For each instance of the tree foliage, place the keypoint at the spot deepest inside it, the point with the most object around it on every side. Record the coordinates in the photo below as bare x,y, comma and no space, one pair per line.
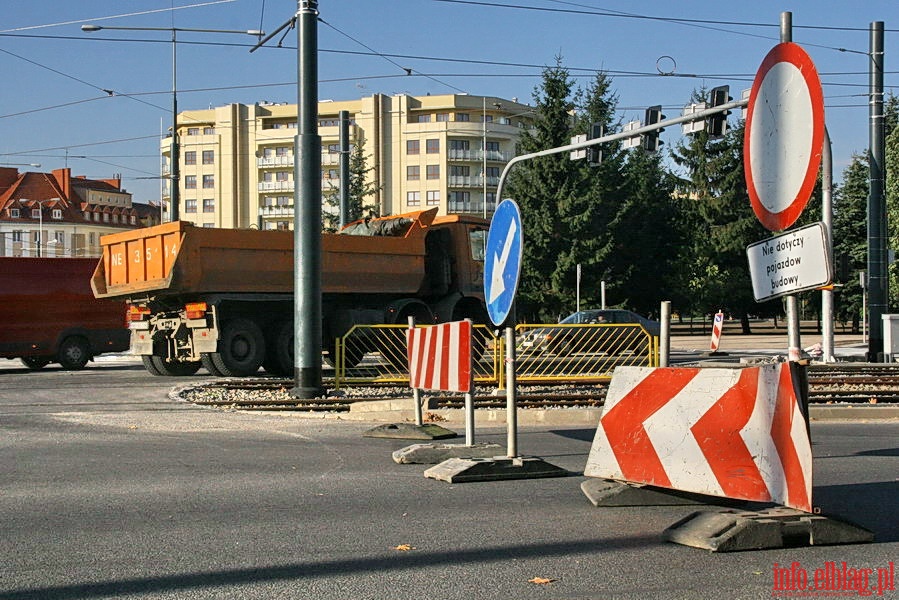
361,195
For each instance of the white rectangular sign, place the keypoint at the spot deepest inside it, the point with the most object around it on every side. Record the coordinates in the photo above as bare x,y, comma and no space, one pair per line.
794,261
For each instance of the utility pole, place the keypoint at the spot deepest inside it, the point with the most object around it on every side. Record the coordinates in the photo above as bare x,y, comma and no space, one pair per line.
307,202
877,217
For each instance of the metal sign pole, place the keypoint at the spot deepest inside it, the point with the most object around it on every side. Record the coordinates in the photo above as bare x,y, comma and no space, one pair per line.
511,407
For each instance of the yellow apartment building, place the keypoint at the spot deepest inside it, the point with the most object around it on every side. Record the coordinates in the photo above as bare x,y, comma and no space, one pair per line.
237,161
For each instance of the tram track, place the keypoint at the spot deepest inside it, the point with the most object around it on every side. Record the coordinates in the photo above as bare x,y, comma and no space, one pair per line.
828,384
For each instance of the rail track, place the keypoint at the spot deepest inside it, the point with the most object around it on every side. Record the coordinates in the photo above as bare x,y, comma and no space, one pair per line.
843,383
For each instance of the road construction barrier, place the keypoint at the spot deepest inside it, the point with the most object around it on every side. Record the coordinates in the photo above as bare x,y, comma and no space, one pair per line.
544,353
440,357
728,432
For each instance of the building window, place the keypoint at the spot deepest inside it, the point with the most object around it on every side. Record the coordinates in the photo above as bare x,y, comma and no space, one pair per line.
17,235
96,217
208,181
35,213
434,198
208,205
209,131
14,213
282,176
190,182
463,117
492,171
133,220
190,206
57,213
442,117
106,217
424,118
413,173
333,148
413,147
433,171
459,145
459,201
492,146
282,151
193,131
190,157
487,118
459,171
115,218
208,157
433,147
413,198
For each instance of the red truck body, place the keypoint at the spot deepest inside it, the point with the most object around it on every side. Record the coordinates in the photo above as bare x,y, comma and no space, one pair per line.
48,313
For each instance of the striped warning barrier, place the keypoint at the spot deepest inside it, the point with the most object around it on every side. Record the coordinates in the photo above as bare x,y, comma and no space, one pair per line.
735,433
717,326
440,357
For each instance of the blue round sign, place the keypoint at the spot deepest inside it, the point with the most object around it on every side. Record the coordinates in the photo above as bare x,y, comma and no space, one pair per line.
502,261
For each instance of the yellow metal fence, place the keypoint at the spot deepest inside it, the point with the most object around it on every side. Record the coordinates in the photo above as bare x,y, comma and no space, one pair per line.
544,353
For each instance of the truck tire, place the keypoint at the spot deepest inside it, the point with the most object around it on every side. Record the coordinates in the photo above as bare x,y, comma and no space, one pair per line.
241,349
150,365
35,363
206,361
174,369
74,352
279,350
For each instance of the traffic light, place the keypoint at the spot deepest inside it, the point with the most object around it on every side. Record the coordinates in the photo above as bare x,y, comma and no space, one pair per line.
651,141
594,153
718,122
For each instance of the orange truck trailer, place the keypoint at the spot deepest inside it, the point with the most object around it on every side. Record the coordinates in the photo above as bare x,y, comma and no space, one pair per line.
223,298
49,314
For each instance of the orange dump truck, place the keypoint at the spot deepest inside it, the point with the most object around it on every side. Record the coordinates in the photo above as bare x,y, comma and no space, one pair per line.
48,313
223,298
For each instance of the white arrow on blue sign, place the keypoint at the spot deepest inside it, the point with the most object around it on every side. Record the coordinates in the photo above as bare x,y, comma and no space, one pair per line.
502,261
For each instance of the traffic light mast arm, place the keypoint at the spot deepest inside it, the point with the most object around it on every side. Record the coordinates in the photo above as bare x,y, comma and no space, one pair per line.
697,116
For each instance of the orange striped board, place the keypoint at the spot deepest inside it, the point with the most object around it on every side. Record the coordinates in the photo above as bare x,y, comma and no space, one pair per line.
735,433
440,357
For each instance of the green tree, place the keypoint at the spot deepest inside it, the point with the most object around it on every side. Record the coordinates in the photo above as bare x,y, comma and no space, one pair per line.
850,238
724,223
543,188
362,190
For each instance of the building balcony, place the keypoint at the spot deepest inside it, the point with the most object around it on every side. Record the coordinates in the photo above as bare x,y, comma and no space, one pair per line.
275,186
470,181
274,161
477,155
276,211
470,208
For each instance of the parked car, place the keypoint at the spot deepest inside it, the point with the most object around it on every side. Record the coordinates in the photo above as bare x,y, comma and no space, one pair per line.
624,332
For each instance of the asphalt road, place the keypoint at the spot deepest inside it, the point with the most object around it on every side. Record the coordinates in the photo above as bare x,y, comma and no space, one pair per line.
108,489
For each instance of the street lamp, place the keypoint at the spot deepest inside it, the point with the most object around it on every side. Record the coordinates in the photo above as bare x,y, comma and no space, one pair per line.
176,171
35,165
40,222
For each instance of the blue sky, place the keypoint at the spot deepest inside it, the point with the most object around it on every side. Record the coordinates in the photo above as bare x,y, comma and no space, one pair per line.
55,111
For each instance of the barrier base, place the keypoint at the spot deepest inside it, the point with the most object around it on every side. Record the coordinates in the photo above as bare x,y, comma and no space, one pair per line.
732,531
432,454
410,431
607,492
461,470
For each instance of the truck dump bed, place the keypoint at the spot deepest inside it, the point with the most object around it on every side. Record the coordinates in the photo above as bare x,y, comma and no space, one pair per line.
386,254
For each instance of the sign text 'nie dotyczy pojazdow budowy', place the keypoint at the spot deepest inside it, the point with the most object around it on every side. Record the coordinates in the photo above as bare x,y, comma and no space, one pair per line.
791,262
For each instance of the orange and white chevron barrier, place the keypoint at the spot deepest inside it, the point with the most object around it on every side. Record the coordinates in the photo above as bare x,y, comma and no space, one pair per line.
440,357
717,327
734,433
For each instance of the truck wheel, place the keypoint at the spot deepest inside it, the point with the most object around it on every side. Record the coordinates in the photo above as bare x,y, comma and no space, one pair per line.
35,363
74,352
206,361
279,350
352,356
241,349
150,365
174,369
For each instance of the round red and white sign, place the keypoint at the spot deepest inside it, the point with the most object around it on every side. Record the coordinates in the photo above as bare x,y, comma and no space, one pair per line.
784,136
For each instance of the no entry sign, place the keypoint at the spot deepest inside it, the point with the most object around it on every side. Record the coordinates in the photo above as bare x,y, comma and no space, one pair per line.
784,136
